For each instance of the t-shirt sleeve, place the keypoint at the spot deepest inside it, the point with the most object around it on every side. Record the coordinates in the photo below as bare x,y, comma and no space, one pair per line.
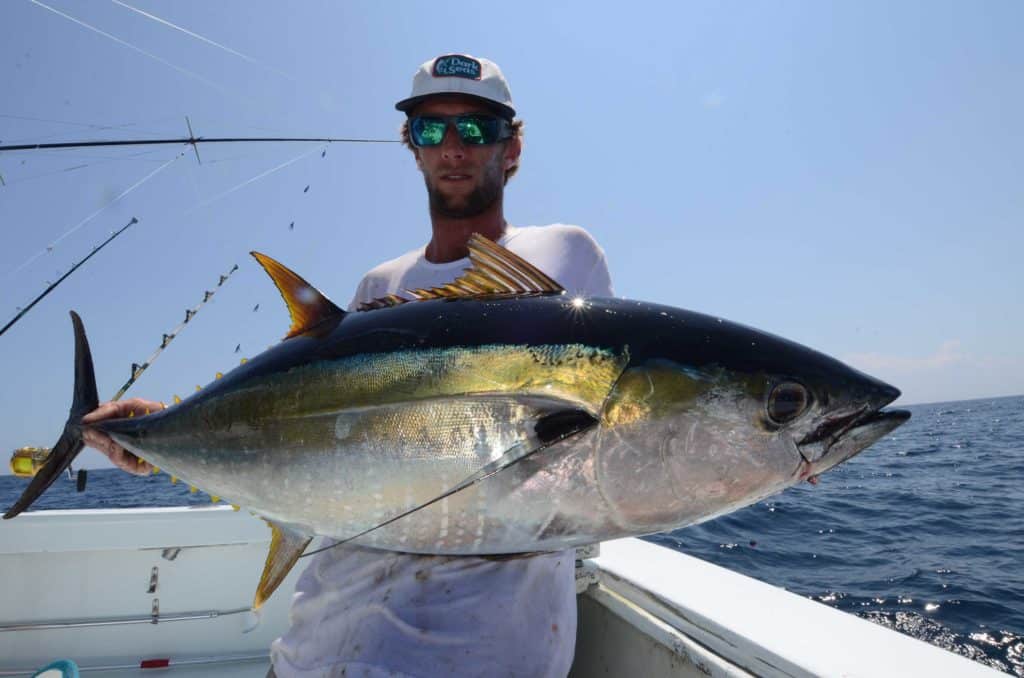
599,281
595,280
364,293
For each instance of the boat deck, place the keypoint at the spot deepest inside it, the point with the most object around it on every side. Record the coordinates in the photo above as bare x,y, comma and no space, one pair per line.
114,590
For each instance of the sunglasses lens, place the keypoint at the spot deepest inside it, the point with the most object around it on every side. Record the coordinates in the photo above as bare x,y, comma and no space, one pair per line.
476,130
427,131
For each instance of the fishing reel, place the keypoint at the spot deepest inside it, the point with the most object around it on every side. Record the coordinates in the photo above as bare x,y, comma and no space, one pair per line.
27,461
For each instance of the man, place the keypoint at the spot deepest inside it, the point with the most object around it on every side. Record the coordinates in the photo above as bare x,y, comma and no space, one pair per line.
359,611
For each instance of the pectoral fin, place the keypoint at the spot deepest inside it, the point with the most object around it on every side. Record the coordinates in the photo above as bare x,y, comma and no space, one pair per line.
286,545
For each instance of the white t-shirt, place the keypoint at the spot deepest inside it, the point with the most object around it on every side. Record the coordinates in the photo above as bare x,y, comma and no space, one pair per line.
364,612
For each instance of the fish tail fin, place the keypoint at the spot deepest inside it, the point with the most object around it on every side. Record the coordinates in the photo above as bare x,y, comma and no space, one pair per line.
85,400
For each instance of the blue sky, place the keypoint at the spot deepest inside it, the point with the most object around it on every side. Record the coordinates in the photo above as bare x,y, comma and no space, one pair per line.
845,175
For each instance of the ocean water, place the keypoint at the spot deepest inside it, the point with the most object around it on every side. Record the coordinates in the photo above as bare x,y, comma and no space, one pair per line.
922,533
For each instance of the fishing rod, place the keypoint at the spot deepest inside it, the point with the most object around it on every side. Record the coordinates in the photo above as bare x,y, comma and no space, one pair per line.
25,462
61,279
190,313
193,141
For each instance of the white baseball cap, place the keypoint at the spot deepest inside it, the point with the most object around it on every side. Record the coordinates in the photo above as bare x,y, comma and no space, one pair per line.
460,74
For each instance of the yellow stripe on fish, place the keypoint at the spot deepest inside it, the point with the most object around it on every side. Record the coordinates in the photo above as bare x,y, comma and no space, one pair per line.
578,374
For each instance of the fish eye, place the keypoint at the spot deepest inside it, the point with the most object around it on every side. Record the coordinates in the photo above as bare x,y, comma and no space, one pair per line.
787,401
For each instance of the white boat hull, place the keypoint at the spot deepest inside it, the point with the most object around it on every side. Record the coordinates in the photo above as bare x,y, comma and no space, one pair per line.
79,585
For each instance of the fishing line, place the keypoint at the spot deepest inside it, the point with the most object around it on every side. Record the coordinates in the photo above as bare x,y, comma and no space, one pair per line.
228,159
60,122
218,45
84,124
234,123
488,470
33,177
98,160
88,156
96,213
138,369
204,39
46,174
249,181
53,285
129,45
121,127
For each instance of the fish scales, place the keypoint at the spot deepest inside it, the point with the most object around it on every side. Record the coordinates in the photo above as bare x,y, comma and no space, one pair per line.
404,420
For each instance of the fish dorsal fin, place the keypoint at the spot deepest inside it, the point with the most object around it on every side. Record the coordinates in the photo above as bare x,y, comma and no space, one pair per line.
495,271
307,306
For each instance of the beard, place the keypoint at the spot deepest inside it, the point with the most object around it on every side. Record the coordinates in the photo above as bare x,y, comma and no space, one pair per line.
479,200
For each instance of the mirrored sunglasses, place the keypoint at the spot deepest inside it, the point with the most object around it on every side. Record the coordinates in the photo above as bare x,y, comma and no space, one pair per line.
474,130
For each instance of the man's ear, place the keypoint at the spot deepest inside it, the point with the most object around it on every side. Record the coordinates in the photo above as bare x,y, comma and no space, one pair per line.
512,150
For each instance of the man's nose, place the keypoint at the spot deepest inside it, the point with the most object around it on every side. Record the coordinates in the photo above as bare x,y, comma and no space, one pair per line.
452,147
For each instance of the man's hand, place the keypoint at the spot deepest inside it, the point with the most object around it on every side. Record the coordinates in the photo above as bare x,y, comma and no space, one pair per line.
121,458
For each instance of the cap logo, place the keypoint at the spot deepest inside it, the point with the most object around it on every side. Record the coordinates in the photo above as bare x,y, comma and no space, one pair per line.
457,66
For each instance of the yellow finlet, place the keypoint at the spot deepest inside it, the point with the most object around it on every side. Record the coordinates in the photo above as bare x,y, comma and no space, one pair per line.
174,480
131,414
307,306
214,499
219,375
147,412
193,489
198,388
243,361
156,470
177,399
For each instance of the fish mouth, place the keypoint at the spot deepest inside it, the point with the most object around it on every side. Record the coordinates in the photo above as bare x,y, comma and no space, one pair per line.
829,431
839,438
856,422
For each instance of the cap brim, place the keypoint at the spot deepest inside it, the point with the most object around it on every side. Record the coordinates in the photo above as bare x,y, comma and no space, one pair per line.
405,105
